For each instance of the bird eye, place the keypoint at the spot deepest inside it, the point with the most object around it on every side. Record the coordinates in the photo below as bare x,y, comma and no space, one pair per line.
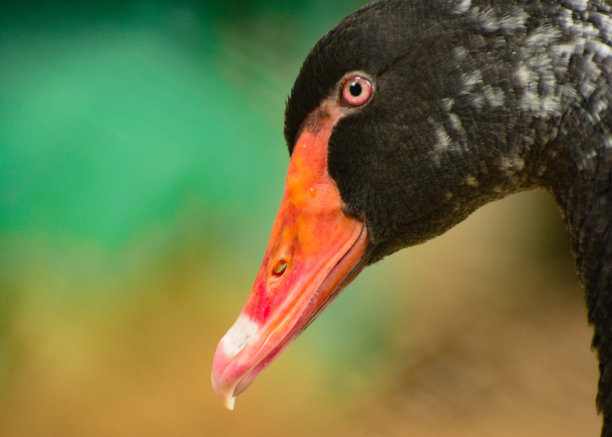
356,90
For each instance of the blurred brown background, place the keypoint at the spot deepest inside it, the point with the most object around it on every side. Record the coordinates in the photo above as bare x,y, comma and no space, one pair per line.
141,165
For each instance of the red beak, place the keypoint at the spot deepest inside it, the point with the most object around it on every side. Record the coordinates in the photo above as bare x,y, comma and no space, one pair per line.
315,250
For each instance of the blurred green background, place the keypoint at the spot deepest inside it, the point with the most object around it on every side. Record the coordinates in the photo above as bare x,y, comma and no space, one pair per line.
141,165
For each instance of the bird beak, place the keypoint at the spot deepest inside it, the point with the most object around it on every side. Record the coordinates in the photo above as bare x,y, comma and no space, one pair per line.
314,251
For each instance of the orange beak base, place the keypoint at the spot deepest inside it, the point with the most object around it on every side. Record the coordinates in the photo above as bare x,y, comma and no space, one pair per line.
314,251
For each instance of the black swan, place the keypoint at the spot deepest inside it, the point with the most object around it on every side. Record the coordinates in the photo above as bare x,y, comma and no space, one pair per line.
408,116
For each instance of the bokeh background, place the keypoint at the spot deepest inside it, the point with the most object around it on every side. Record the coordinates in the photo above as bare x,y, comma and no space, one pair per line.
141,165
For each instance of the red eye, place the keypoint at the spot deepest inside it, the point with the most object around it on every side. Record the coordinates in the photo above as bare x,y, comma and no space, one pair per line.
356,90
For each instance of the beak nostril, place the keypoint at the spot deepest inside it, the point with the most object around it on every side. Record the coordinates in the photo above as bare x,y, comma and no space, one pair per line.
279,268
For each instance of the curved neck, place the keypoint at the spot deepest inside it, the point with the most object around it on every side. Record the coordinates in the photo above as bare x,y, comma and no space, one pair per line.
581,184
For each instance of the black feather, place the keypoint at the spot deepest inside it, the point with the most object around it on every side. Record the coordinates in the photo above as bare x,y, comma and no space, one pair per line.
475,100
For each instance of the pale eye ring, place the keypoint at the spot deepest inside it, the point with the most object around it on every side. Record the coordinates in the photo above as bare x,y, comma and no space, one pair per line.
356,90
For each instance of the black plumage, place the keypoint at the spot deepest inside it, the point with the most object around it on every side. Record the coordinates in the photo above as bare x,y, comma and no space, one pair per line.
475,100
